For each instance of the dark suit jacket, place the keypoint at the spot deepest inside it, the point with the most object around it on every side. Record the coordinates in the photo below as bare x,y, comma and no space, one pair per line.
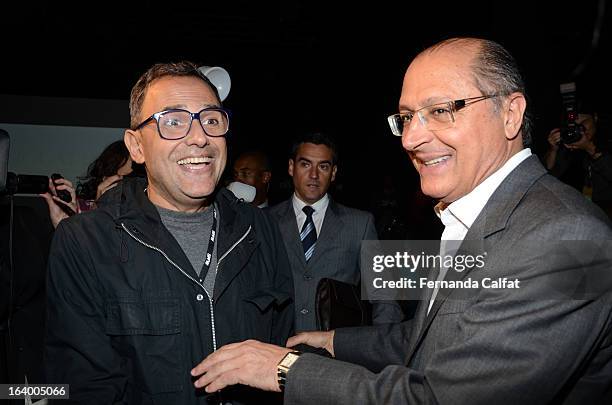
336,255
492,348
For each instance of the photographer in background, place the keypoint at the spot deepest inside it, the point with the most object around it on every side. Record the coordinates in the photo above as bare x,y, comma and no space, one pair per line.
585,164
102,174
59,209
105,172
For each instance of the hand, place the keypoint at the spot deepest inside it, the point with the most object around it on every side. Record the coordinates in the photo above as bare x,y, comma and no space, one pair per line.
324,340
250,363
56,212
583,143
106,184
554,139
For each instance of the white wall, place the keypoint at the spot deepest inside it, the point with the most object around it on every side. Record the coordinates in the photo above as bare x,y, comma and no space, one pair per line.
47,149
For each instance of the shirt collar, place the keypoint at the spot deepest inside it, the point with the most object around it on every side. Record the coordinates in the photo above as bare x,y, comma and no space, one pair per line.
466,209
318,206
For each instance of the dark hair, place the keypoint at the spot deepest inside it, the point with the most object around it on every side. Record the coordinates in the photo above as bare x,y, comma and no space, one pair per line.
318,138
587,106
495,72
259,156
107,164
183,68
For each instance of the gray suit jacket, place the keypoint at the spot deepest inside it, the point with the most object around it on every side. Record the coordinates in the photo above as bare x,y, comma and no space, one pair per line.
336,256
491,349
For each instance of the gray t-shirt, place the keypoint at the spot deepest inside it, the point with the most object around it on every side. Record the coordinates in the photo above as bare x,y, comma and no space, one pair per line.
192,232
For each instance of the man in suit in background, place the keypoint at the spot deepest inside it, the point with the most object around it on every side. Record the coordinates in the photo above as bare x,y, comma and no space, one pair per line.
323,238
463,125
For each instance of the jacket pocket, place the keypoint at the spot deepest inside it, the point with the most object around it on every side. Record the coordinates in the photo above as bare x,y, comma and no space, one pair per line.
259,312
264,299
146,331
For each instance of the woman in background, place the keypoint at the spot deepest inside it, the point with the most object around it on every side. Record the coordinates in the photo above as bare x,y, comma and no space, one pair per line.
102,174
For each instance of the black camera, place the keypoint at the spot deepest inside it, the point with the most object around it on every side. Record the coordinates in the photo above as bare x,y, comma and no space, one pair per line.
571,131
11,183
33,184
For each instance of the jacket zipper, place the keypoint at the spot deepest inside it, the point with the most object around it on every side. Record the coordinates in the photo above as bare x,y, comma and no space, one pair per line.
212,317
210,300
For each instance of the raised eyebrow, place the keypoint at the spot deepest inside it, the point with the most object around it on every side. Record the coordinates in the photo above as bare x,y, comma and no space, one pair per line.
175,107
405,109
435,100
184,107
429,101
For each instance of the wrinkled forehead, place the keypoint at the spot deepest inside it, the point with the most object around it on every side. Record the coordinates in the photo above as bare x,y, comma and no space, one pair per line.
437,76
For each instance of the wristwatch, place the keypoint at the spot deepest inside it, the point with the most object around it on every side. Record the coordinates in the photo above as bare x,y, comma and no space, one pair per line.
283,367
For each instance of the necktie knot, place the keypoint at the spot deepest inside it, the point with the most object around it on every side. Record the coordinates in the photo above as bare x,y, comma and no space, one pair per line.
308,210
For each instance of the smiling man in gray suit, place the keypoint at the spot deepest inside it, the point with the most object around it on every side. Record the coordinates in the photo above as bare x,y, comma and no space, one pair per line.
463,125
330,246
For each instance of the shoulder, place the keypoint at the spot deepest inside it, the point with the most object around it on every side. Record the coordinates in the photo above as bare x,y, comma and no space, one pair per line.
552,206
244,212
83,232
95,218
354,213
280,209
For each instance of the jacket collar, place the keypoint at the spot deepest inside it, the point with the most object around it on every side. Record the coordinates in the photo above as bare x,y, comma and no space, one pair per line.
129,205
496,213
289,229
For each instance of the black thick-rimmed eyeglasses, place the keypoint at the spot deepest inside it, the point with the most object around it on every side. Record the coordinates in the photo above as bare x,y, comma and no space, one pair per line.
176,123
434,117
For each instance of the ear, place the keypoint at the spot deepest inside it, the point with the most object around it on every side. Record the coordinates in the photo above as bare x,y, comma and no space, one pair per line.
267,176
133,141
334,170
513,117
290,167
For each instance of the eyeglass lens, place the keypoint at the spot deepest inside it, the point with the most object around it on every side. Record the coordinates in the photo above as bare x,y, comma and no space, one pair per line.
176,124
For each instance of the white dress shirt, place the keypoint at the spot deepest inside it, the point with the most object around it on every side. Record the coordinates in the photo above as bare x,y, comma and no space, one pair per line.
459,216
318,216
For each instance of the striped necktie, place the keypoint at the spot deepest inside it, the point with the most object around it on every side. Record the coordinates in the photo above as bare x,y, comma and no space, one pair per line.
308,236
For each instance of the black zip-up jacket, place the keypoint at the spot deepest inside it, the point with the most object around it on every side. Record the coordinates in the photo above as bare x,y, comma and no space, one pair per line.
127,318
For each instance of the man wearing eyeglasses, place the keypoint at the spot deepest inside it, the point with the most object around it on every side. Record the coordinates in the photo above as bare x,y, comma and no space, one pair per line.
462,122
170,268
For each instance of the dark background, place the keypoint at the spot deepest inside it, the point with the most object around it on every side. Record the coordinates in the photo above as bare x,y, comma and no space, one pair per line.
298,64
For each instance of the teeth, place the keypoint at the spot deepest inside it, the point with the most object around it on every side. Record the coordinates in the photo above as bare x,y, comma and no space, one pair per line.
194,160
435,161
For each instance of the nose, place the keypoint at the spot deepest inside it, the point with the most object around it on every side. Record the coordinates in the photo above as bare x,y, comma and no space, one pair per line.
313,173
196,135
415,135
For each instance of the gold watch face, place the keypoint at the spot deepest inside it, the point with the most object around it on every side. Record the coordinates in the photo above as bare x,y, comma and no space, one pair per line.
288,360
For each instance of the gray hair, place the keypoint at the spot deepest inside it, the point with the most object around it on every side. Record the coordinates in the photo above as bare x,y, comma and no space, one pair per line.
495,72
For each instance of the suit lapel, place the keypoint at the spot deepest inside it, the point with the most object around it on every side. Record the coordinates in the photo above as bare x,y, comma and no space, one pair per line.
421,312
289,229
492,219
332,224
